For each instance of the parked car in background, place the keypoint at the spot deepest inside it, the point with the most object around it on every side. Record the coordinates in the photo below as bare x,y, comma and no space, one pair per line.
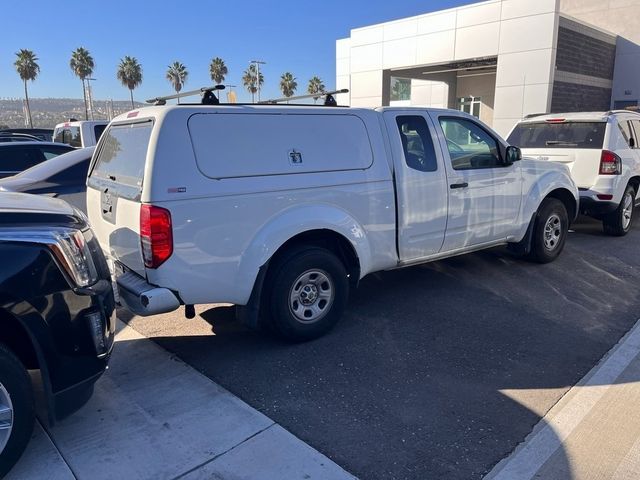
79,134
56,314
16,157
44,134
64,177
602,151
18,137
281,209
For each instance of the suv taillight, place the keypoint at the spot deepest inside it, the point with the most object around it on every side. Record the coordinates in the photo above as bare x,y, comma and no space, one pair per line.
610,163
156,236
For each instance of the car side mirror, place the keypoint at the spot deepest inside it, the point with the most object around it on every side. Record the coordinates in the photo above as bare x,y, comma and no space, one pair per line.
513,154
632,143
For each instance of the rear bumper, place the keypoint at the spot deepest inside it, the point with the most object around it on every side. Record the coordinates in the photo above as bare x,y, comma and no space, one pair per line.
591,205
145,299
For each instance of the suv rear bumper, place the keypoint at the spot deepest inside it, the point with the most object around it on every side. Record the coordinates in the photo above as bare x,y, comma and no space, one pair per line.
145,299
591,206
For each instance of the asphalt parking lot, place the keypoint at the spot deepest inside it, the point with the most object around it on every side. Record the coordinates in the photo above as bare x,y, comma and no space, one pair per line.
436,371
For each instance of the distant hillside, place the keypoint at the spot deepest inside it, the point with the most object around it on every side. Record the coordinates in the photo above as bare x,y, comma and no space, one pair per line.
47,112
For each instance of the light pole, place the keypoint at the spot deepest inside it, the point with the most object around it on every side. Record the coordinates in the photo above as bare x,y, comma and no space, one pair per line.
89,95
257,63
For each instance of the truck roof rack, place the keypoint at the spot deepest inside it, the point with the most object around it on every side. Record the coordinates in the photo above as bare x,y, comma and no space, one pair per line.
208,97
329,99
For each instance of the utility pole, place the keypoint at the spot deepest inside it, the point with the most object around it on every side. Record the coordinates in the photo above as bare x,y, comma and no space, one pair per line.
257,63
90,96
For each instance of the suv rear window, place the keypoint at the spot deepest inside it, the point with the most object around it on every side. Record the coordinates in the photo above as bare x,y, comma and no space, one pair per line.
123,153
558,135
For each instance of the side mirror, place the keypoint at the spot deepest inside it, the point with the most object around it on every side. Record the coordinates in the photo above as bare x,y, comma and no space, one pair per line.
513,154
632,143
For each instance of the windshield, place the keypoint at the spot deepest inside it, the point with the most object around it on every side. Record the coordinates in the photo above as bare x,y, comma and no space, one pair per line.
46,169
123,153
558,135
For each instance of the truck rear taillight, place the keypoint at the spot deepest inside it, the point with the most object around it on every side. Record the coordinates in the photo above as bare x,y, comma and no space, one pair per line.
156,236
610,163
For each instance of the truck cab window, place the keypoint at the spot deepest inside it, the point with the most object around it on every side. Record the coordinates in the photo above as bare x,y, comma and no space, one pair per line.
417,144
470,146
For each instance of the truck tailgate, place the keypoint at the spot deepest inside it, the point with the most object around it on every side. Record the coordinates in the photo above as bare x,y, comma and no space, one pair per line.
583,163
114,188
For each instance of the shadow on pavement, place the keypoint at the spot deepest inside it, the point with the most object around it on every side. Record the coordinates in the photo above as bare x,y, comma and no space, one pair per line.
411,383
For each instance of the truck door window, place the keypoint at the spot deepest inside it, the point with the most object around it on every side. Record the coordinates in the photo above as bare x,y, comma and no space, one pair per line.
417,144
470,146
97,131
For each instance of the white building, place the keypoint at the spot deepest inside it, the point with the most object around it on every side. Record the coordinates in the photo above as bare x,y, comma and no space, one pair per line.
499,59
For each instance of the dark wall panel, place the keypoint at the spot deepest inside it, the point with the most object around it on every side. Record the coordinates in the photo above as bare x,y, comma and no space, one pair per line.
580,53
571,97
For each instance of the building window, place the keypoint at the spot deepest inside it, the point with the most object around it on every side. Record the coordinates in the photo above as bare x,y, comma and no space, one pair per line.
400,89
470,105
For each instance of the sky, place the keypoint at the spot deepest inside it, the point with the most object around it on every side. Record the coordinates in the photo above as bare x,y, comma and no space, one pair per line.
288,35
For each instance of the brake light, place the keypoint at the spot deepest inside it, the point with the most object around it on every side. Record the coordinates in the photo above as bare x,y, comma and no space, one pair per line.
610,163
156,236
556,120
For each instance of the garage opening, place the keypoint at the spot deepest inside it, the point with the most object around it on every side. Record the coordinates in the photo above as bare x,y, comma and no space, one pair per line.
462,85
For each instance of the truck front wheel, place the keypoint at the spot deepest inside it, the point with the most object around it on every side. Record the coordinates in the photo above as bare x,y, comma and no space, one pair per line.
550,231
17,412
309,291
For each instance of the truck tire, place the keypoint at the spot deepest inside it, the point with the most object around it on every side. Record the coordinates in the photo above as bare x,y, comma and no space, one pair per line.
550,231
309,289
17,411
618,222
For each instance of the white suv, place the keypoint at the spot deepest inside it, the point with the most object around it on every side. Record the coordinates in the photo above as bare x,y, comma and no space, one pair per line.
601,151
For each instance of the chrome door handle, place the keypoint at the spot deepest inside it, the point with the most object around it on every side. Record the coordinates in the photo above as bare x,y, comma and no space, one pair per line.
459,185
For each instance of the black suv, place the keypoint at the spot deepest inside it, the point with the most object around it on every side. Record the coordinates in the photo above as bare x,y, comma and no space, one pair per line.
56,314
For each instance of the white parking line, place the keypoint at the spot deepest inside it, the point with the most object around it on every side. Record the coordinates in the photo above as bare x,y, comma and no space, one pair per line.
550,433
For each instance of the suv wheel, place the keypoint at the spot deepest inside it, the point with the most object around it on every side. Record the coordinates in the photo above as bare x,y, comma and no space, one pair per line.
550,231
309,291
618,223
17,412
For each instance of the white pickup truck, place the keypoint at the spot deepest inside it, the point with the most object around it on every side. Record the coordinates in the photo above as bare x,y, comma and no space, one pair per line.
79,134
281,209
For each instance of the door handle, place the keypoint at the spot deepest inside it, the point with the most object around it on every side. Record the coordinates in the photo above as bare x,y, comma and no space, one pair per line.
459,185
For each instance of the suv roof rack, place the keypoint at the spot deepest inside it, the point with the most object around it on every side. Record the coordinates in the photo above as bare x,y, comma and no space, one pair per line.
632,109
329,99
208,97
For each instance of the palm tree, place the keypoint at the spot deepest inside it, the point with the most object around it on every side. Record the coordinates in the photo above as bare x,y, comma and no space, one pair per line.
288,84
130,74
177,75
218,70
250,81
27,67
82,65
315,86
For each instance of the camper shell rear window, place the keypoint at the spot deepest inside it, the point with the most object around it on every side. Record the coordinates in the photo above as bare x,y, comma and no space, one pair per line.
123,153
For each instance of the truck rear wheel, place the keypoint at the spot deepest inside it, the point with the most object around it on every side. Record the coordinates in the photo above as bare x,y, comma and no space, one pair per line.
309,292
550,231
618,222
17,413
